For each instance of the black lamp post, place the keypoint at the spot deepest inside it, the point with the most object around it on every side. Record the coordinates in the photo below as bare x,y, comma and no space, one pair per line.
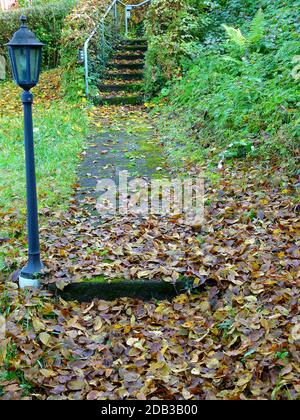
25,53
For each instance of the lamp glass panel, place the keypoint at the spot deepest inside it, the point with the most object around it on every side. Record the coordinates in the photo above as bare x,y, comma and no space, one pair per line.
21,63
34,64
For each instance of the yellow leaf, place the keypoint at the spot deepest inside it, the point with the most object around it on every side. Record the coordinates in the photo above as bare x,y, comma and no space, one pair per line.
143,273
212,363
45,338
244,379
38,325
47,373
264,323
76,385
181,299
98,324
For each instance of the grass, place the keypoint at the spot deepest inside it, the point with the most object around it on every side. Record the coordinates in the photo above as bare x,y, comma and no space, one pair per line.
9,371
58,139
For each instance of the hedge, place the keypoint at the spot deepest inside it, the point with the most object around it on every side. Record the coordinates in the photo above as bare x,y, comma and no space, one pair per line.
46,21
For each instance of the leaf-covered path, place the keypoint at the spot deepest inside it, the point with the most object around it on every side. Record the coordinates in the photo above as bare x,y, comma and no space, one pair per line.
126,142
237,339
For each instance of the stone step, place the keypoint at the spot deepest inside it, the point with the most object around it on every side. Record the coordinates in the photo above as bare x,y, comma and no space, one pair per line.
127,87
134,41
124,66
137,47
125,76
119,100
129,66
129,57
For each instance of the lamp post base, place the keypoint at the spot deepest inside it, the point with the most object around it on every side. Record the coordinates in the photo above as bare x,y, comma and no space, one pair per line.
26,282
30,275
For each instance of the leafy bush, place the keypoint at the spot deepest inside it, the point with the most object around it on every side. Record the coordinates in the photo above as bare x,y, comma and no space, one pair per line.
242,92
46,21
78,25
174,29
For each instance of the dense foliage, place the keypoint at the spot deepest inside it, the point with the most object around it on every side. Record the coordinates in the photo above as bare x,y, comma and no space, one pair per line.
45,20
233,87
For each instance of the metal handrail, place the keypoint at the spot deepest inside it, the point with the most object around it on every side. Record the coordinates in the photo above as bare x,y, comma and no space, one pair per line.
101,26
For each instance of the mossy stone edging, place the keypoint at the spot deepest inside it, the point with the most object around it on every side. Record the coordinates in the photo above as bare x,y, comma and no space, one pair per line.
86,291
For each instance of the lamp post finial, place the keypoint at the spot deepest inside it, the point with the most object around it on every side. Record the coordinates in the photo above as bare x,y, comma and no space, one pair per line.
23,20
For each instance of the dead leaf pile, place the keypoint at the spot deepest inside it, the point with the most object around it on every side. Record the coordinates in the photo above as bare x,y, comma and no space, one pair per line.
241,344
48,90
239,339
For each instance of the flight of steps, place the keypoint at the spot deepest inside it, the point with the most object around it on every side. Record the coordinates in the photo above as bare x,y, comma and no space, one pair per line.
122,83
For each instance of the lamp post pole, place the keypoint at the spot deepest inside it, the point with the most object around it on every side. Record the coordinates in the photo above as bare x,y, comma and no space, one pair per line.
34,265
25,52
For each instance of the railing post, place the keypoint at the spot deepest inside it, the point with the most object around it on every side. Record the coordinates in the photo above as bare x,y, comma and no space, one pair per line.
116,11
103,38
116,19
126,21
86,68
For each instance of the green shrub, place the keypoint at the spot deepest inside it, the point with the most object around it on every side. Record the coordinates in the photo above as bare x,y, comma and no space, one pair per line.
46,21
